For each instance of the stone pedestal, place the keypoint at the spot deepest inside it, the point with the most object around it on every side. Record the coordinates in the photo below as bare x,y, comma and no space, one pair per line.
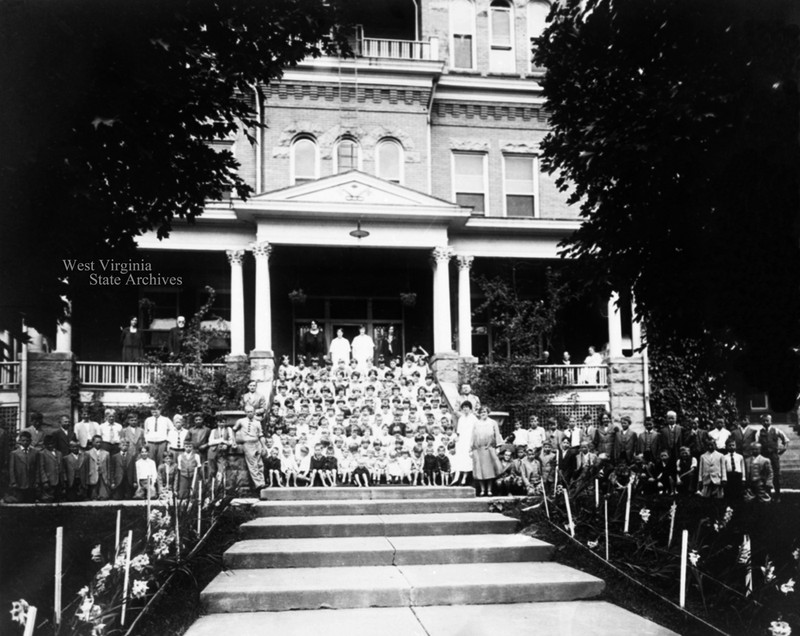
626,390
262,370
446,367
50,378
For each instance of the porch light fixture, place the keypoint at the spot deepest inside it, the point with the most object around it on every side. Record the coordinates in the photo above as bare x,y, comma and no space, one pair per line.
359,233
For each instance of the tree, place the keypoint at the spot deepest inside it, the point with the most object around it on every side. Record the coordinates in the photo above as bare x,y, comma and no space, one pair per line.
674,124
108,109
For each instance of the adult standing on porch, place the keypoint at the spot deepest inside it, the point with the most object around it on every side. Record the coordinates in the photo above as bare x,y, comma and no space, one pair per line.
389,346
485,462
339,349
175,338
132,344
312,344
363,349
461,463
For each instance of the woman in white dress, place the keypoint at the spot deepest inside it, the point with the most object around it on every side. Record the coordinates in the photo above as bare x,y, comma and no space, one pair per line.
339,349
363,349
594,359
461,465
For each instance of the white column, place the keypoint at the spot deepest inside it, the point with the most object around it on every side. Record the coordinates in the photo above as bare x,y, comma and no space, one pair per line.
263,297
464,307
636,329
442,329
614,327
237,302
64,328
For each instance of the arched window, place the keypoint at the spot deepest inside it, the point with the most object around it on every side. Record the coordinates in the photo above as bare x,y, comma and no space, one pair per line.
462,32
537,20
501,37
389,160
348,155
304,160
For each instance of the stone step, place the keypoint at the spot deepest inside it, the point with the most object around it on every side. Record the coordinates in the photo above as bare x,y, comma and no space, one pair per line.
368,507
369,551
375,492
571,617
378,525
401,586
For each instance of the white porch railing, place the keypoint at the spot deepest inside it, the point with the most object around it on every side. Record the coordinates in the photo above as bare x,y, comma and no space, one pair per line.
122,374
9,374
572,375
399,49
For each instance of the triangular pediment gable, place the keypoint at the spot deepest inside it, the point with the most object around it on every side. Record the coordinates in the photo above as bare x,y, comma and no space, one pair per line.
355,187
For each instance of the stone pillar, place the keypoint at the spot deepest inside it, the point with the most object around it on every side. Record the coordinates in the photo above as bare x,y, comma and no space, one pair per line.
614,328
64,336
442,328
50,377
626,389
237,302
263,318
464,307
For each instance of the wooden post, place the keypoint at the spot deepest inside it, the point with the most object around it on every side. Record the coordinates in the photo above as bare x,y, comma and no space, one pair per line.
605,506
596,493
555,479
544,498
569,514
149,489
194,481
177,532
673,509
213,488
628,509
127,577
116,536
199,507
684,558
59,559
30,623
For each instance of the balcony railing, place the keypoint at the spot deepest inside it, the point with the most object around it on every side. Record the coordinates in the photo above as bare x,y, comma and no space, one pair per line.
399,49
126,374
572,375
9,374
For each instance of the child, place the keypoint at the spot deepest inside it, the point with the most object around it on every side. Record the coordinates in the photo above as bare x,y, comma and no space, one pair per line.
52,471
146,476
734,471
548,463
348,464
443,462
686,471
429,465
167,476
75,473
664,474
507,480
379,464
188,463
303,464
759,474
272,468
317,467
415,469
712,475
520,435
331,467
404,460
531,472
289,466
394,471
361,472
99,468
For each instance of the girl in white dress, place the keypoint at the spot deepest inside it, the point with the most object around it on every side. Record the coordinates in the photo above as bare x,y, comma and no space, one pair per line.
461,464
363,349
339,349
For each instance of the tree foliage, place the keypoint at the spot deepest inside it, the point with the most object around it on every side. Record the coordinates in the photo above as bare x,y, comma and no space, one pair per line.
675,127
107,111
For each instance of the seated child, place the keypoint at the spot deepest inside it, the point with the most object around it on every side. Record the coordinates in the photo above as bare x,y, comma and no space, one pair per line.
303,464
507,480
686,472
429,465
317,468
531,472
415,472
443,464
361,471
331,466
394,471
404,460
289,466
272,467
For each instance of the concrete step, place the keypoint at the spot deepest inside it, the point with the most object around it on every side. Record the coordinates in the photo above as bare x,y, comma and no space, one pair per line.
572,617
378,525
384,586
376,492
368,551
368,506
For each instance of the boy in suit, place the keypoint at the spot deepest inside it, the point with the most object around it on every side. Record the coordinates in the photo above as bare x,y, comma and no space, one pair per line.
25,471
99,467
167,475
76,475
52,471
147,476
123,472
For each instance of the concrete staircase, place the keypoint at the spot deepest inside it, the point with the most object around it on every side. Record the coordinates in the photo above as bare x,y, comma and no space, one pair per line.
397,561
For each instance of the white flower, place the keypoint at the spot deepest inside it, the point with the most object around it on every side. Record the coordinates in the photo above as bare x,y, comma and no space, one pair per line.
119,563
779,628
768,570
83,592
102,575
788,587
99,629
139,589
694,558
592,544
85,611
140,562
644,513
96,554
727,516
19,611
796,554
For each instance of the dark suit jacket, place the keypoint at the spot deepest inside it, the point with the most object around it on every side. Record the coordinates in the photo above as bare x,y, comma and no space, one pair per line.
123,473
670,440
76,470
52,467
175,341
25,469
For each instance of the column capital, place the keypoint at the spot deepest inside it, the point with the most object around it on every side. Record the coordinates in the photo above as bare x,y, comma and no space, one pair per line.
464,261
261,249
235,256
442,254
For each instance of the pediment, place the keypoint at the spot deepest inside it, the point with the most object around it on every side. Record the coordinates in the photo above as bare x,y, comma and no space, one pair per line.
353,188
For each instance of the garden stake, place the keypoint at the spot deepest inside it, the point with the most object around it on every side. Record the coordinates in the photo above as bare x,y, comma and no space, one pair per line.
569,514
119,523
177,533
149,488
596,493
199,506
544,497
672,510
748,577
194,480
628,509
31,622
213,488
57,592
127,577
605,506
684,557
555,480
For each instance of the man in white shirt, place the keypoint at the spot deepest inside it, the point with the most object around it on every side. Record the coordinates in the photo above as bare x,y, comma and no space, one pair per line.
719,434
146,476
85,430
176,438
536,434
156,430
109,431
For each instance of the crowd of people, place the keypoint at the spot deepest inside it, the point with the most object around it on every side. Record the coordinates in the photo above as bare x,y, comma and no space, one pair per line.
343,420
719,460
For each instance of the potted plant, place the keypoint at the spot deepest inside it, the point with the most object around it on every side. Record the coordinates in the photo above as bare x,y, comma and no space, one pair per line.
297,297
409,299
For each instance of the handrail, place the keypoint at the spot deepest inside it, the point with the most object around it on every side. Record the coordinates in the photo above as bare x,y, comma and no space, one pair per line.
396,49
570,375
121,374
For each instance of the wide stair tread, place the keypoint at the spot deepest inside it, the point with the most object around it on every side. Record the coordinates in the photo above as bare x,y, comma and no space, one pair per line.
326,507
375,492
370,551
396,586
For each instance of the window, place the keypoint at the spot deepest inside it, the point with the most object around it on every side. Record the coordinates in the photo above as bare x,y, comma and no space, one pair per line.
501,37
462,28
759,402
469,180
304,164
389,160
537,20
521,181
347,155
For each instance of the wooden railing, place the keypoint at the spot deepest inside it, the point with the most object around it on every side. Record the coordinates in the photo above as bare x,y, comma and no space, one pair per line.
572,375
399,49
9,374
124,374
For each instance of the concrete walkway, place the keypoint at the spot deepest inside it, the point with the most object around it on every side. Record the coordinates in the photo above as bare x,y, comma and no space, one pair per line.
404,561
